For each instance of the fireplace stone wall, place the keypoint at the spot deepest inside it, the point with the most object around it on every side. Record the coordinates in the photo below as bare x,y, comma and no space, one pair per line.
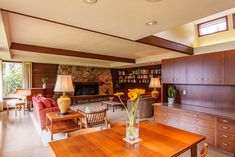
89,74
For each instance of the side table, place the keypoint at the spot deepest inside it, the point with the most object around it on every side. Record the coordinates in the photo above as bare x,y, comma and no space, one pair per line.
63,123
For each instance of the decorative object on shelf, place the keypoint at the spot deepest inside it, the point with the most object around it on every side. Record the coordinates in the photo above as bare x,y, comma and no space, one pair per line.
64,84
132,125
155,83
44,82
171,94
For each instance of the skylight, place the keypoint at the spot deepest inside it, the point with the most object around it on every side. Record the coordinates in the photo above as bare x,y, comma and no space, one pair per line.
213,26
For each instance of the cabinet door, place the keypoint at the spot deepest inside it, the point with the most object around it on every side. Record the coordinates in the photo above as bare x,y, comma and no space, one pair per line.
229,65
195,69
179,71
212,72
167,71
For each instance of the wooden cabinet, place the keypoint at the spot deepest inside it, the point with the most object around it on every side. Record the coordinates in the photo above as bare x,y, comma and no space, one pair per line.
167,71
212,69
199,69
219,131
166,116
226,134
195,69
174,71
179,71
229,65
200,123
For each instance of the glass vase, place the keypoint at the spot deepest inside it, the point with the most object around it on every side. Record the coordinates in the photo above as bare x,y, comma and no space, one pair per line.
132,127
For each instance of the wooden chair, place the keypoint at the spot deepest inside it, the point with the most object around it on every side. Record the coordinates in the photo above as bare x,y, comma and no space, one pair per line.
94,118
204,150
83,131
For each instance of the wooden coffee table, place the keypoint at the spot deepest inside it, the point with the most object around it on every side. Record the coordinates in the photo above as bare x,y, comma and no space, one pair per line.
112,104
63,123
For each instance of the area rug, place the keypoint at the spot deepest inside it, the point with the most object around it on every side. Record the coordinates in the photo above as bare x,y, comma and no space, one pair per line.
116,116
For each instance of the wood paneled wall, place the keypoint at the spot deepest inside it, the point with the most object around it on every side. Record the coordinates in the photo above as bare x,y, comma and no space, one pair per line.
40,70
211,96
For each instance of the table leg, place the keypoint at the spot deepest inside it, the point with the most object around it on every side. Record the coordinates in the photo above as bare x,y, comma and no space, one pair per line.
15,109
7,109
46,124
24,109
113,108
80,123
51,130
194,151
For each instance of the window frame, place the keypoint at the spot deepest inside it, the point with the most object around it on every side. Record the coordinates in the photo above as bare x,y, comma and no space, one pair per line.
233,15
198,26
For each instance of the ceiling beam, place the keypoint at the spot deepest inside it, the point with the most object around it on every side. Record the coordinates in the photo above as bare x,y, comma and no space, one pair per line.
5,40
159,42
167,44
63,52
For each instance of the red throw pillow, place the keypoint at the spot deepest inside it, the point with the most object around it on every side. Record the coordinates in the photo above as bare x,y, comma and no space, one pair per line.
46,102
53,102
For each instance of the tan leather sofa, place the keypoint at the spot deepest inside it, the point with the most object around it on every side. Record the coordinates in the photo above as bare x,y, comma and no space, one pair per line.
145,107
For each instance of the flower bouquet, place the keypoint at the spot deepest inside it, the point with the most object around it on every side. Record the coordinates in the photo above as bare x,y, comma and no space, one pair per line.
132,127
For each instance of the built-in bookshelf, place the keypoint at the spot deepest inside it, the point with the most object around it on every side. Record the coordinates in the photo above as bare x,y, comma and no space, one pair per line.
138,77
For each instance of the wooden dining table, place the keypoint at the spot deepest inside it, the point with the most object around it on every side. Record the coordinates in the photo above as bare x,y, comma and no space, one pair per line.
157,140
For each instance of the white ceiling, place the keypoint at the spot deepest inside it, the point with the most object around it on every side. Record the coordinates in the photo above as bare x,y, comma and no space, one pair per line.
120,18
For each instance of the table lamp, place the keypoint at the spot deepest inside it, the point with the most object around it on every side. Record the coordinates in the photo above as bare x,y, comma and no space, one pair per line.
155,83
64,84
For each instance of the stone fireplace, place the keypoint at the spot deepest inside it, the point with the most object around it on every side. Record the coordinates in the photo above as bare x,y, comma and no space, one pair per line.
88,88
88,80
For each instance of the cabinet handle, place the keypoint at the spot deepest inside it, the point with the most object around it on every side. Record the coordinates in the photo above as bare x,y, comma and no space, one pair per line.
225,127
225,144
206,79
195,115
225,121
225,136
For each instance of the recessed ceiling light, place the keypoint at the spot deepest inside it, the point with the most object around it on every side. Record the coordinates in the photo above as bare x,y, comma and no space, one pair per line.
150,23
154,0
90,1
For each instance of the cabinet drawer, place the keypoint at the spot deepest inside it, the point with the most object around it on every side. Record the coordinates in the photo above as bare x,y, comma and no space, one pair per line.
197,128
197,115
171,122
225,121
226,128
226,145
226,136
199,122
210,140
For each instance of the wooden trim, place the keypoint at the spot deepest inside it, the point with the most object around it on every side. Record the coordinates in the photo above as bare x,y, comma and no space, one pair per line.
55,51
68,25
226,17
233,20
163,43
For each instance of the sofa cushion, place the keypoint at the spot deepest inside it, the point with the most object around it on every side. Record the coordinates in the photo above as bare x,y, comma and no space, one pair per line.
53,102
95,109
46,102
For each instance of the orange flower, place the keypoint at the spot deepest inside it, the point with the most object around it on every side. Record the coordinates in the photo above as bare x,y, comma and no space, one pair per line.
132,96
119,94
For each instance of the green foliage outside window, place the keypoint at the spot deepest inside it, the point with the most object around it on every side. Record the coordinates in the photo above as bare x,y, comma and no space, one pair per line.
12,77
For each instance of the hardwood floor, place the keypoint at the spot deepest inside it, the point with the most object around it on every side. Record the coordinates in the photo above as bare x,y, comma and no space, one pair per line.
18,137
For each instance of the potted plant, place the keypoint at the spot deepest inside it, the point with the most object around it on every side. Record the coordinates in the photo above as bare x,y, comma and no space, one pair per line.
44,82
171,94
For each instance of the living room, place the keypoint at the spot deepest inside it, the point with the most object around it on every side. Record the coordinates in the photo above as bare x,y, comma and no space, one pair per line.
109,78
